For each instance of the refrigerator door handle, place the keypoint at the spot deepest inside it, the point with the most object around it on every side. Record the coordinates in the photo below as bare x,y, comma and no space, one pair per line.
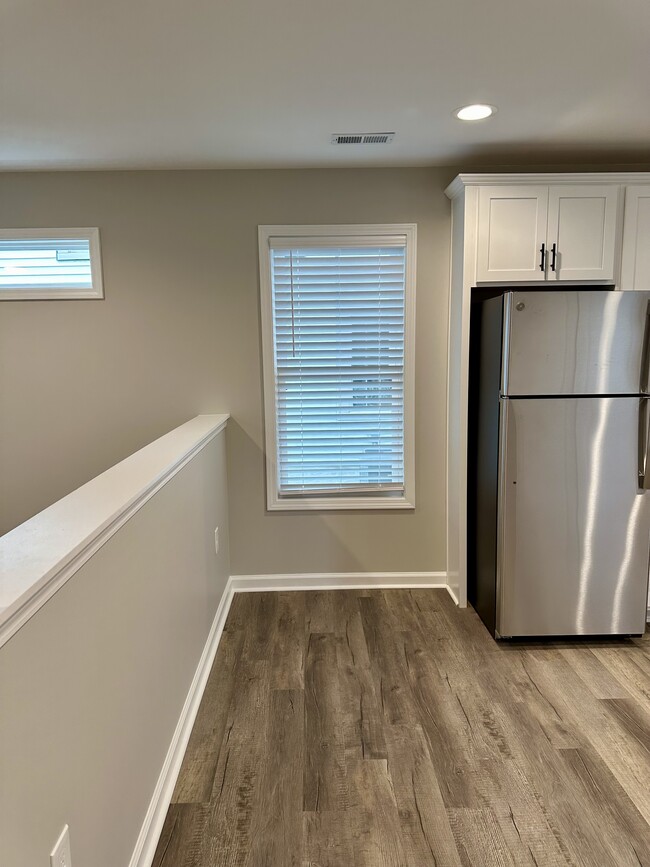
644,442
645,354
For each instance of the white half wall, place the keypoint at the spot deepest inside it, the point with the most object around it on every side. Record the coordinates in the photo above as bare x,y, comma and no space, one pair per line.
92,686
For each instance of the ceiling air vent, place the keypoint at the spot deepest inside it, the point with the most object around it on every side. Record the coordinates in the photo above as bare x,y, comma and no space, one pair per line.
358,138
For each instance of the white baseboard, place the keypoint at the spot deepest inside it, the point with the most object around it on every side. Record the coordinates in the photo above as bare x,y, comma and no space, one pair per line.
338,581
145,848
453,595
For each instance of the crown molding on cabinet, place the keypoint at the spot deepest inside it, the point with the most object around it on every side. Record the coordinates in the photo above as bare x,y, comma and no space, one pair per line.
464,179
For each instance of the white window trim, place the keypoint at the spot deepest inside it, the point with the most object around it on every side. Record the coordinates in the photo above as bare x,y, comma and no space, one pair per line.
300,233
60,293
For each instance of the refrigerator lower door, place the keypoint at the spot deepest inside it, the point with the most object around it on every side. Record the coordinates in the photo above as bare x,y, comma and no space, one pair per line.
573,524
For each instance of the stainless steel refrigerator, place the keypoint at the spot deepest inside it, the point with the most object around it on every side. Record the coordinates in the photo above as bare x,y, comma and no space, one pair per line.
562,509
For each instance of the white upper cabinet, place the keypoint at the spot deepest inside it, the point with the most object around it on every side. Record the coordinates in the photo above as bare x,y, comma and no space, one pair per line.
543,233
582,227
635,265
512,233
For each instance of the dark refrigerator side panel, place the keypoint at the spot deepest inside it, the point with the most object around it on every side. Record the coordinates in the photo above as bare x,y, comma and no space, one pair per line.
472,427
485,442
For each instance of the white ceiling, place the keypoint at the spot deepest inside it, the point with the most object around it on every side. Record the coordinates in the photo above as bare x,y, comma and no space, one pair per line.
232,83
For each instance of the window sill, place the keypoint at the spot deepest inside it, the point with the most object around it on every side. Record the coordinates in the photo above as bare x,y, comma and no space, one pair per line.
51,294
338,504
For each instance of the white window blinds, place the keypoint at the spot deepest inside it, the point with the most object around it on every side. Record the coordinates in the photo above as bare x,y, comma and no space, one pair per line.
41,264
338,338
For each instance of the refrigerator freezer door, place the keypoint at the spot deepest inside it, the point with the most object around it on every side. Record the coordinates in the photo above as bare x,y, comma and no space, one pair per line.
581,342
573,524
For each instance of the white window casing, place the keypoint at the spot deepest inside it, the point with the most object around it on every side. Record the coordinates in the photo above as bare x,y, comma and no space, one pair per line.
50,264
338,334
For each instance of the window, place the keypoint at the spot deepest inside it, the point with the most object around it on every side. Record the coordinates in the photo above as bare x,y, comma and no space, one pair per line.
338,307
50,263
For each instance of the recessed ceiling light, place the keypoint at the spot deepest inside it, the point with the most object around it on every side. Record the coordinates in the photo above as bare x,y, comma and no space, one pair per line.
474,112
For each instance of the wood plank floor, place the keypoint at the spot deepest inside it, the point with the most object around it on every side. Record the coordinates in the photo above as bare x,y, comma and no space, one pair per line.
388,729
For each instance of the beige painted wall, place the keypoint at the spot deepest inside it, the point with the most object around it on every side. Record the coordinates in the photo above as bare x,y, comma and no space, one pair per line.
85,383
92,687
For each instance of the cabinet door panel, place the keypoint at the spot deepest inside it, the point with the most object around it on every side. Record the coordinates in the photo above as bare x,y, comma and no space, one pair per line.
511,231
635,269
582,222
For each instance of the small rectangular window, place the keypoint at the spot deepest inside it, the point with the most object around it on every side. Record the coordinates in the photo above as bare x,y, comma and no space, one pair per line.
50,264
338,317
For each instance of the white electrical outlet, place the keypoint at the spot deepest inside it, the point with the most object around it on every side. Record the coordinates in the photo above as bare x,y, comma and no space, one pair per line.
60,855
216,540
